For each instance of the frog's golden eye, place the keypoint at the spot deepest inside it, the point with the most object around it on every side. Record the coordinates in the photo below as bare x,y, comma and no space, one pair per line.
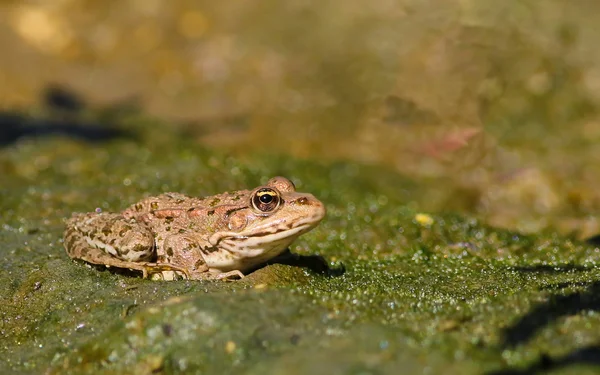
266,200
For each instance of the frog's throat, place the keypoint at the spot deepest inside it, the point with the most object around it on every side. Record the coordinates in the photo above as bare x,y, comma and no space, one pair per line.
233,241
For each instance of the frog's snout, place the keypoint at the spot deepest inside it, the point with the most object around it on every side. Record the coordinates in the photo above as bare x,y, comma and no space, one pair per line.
312,207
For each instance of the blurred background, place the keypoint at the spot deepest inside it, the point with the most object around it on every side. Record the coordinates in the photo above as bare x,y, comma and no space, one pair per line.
491,107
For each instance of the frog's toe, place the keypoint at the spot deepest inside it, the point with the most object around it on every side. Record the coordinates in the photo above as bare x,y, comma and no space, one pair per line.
230,276
168,276
162,271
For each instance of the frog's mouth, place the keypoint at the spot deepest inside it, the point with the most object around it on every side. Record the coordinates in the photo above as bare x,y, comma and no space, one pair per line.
259,239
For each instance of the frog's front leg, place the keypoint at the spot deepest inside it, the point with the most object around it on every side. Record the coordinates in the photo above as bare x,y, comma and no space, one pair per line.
183,251
111,240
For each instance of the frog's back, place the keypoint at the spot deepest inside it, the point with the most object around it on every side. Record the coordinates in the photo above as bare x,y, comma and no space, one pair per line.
180,201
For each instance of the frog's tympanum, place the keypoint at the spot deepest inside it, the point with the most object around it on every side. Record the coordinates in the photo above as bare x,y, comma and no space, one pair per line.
173,236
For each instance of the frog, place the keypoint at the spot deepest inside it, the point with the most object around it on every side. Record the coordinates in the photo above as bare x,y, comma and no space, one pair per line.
174,236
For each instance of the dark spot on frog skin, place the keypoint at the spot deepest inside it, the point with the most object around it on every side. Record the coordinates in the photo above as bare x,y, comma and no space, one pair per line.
154,205
209,249
138,207
170,251
71,242
139,248
229,212
169,219
214,202
211,212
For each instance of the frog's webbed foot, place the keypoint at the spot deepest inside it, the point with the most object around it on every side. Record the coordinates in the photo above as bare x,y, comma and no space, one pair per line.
168,271
149,269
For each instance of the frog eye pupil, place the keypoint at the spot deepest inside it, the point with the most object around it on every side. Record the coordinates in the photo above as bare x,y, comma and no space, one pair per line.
266,200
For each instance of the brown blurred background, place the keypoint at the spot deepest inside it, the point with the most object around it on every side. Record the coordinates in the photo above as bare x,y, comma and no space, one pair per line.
492,106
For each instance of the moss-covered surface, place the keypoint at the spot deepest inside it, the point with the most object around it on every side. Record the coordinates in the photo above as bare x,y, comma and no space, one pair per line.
422,292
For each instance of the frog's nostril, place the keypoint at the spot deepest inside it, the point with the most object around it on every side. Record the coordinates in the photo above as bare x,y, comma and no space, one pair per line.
302,201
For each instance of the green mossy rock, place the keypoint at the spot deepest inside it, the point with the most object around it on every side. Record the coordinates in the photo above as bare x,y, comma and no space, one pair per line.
422,293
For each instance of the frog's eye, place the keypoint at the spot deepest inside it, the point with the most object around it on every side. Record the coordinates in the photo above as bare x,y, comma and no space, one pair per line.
266,200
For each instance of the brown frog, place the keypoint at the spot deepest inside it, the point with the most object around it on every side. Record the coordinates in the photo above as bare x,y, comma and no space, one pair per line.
173,236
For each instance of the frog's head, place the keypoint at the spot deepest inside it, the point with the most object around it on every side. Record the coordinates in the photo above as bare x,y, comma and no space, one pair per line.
271,219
